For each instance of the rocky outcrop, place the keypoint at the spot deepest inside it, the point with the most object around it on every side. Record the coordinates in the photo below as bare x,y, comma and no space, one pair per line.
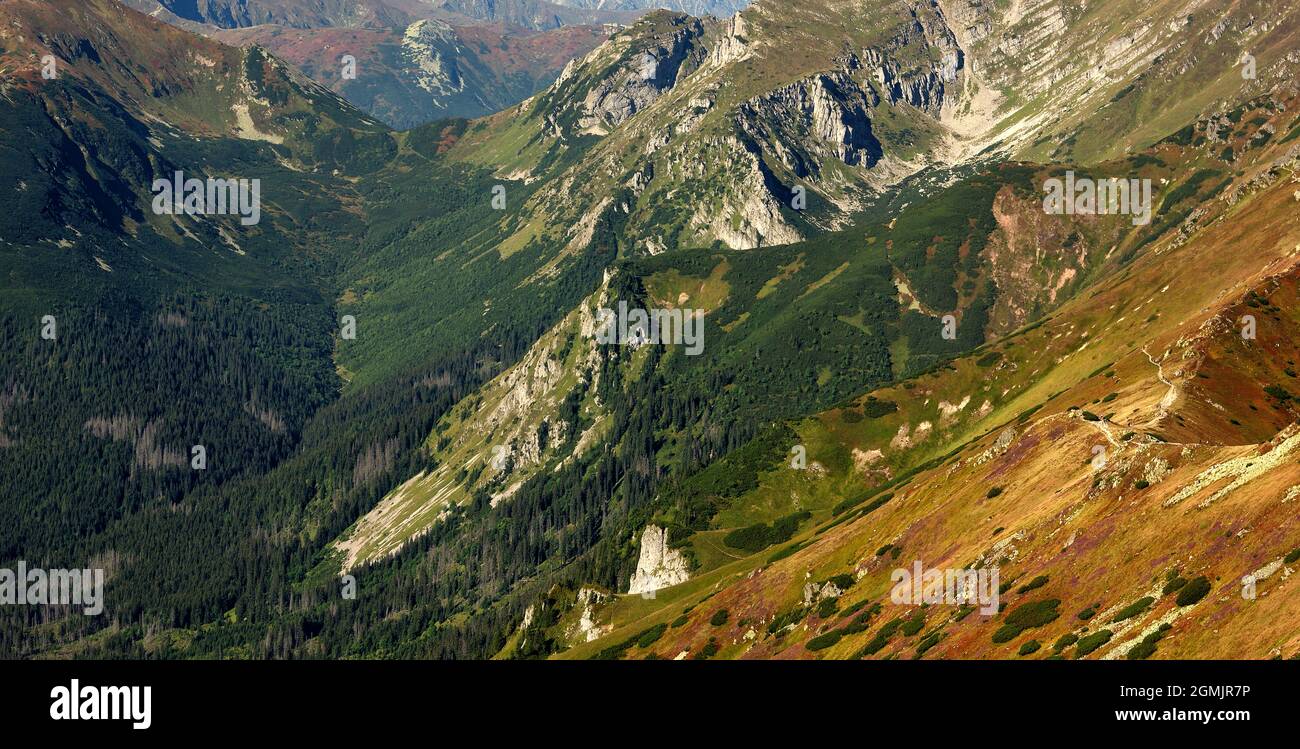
816,592
731,44
807,122
926,88
640,78
587,628
970,20
1234,473
659,565
659,95
429,48
748,214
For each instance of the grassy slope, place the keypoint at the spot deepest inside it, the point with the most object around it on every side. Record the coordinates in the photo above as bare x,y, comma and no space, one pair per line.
1098,537
1157,74
832,295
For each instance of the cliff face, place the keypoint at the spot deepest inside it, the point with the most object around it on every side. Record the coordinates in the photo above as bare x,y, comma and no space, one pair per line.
827,113
640,79
587,628
598,92
659,565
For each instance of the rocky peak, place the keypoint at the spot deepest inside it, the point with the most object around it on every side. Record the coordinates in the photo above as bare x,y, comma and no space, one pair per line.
649,65
430,48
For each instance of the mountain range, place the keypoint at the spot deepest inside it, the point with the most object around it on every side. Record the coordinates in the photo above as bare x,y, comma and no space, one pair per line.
404,63
305,14
415,62
912,357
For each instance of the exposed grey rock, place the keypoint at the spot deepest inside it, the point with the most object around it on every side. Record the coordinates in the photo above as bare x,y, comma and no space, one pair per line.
639,80
430,47
659,565
719,8
819,117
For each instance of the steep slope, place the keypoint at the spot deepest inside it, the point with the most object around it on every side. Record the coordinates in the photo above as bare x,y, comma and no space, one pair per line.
154,354
844,302
657,111
596,149
139,342
1126,465
1094,81
583,154
187,335
86,145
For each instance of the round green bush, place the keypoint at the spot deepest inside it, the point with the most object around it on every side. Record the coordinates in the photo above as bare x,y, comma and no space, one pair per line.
913,625
1193,591
1092,642
1026,616
709,650
821,642
1065,641
1132,610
